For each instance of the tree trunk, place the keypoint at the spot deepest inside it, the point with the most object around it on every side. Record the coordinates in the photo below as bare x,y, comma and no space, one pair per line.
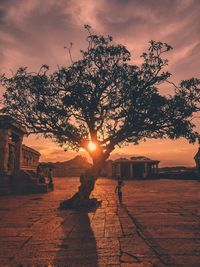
81,199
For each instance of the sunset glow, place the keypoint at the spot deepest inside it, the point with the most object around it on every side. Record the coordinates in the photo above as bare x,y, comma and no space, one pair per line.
91,146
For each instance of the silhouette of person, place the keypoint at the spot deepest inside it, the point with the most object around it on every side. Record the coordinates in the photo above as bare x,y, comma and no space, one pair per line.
118,190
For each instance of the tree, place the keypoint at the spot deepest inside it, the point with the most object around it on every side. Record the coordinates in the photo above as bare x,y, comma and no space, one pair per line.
101,98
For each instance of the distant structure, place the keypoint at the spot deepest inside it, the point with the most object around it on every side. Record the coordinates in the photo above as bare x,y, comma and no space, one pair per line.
133,168
197,160
73,167
18,163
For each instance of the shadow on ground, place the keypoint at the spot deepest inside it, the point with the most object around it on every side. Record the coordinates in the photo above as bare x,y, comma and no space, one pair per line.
78,247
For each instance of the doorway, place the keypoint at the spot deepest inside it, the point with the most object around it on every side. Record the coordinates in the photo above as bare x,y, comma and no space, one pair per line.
138,171
125,170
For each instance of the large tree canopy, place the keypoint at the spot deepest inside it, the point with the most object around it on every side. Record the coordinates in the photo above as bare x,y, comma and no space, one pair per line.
103,98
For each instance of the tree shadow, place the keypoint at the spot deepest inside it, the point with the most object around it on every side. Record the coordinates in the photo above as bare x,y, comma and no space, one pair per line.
78,245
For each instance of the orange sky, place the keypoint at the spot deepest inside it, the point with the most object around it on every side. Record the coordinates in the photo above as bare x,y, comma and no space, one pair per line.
170,153
34,32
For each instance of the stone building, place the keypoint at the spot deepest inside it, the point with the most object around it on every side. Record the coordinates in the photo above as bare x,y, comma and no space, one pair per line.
197,160
133,168
30,158
18,163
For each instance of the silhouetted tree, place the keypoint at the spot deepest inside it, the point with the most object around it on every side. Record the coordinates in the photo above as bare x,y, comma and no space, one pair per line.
101,98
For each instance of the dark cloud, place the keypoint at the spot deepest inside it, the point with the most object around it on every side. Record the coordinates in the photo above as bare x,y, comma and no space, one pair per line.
176,22
34,32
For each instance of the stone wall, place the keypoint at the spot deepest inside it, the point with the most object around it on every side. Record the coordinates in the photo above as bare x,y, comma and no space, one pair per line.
18,163
30,158
14,155
3,151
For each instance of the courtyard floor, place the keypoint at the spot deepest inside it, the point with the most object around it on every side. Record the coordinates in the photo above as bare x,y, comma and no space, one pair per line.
157,225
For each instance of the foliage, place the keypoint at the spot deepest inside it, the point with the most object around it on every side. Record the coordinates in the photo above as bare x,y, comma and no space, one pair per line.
102,97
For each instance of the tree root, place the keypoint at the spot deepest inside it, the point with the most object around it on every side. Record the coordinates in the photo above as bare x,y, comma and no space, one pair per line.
75,202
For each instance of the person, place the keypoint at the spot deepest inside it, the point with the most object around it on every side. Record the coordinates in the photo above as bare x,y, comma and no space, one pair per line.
50,176
118,190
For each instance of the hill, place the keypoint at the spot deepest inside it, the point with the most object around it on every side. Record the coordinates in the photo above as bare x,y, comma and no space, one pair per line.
73,167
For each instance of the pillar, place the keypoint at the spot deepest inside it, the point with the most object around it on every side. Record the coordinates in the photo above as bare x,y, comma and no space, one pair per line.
156,169
131,170
153,165
145,170
20,155
119,169
4,151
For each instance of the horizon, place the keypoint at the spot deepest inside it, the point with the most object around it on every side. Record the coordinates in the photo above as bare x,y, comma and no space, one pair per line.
54,153
34,33
112,159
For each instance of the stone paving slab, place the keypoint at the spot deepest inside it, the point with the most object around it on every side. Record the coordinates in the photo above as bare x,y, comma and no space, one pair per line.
157,225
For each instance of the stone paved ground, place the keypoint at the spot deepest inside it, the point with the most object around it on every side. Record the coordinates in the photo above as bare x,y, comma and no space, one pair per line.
158,225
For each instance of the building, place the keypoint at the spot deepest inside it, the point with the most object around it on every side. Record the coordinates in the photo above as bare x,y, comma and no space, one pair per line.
197,160
133,168
18,163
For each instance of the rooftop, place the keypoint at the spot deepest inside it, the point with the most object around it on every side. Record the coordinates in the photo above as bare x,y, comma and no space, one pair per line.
7,121
137,160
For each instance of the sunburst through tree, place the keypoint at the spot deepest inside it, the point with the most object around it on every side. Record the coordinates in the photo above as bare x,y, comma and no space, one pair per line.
101,101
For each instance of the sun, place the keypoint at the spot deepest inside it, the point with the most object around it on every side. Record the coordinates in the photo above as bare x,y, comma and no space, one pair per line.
91,146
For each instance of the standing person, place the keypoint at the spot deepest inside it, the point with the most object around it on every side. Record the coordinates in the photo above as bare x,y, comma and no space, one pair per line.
50,176
118,190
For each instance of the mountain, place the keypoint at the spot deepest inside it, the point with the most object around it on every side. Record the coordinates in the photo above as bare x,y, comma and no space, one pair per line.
73,167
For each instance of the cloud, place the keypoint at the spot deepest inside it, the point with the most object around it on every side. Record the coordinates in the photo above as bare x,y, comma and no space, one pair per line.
38,30
86,12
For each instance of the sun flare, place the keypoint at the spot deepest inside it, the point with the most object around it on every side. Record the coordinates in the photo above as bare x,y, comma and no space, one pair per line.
91,146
